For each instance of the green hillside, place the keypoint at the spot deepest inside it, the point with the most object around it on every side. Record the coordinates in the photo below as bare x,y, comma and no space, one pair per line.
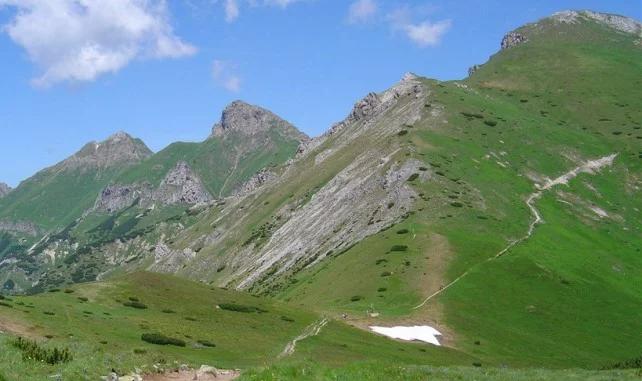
502,209
569,291
102,325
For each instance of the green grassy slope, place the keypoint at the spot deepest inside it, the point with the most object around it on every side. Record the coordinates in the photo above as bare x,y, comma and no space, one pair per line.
102,332
51,199
223,163
569,292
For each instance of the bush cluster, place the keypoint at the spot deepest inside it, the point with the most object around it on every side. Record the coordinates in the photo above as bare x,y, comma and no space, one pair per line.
137,305
34,351
160,339
240,308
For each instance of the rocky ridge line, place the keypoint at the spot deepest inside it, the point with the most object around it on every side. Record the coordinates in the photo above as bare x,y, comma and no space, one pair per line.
4,189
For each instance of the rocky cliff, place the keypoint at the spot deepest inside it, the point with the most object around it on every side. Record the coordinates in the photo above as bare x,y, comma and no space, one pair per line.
251,120
118,149
4,189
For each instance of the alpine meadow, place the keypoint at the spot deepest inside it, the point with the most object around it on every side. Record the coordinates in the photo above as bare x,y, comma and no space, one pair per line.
488,228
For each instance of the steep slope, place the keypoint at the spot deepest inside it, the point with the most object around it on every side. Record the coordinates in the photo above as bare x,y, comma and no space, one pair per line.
514,197
139,208
58,195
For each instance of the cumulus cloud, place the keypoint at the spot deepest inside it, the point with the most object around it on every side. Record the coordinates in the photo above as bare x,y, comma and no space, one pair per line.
225,76
425,33
80,40
362,11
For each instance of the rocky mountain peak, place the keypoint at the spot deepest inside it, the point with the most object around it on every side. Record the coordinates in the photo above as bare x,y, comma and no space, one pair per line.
4,189
617,22
119,148
251,120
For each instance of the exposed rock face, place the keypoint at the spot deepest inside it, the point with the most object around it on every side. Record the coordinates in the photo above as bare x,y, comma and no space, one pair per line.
252,120
118,197
513,39
168,260
182,186
118,149
20,227
473,69
620,23
361,200
262,177
369,108
4,189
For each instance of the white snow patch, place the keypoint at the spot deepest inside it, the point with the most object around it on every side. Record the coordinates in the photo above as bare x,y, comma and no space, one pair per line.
421,333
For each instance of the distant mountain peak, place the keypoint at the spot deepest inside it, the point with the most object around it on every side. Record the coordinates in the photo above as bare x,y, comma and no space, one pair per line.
617,22
4,189
119,148
240,116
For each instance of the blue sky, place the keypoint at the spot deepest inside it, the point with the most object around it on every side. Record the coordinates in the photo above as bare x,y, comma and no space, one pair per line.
74,71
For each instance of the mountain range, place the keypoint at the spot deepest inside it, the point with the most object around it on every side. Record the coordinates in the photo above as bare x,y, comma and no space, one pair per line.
502,209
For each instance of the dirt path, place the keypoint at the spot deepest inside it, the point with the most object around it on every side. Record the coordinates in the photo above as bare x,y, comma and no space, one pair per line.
590,167
191,375
311,330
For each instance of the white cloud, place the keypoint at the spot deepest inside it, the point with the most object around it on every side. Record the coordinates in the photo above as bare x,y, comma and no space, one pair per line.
362,11
424,33
232,7
224,75
231,10
80,40
427,33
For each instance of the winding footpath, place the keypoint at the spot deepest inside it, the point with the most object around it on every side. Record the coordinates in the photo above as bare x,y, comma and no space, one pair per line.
590,167
311,330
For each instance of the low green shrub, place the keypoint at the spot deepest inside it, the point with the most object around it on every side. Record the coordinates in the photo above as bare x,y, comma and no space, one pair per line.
382,289
31,350
356,298
288,319
240,308
160,339
206,343
137,305
634,363
386,273
168,311
399,248
402,231
490,123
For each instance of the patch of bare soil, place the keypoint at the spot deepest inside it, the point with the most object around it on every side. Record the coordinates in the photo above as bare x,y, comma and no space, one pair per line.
193,375
18,329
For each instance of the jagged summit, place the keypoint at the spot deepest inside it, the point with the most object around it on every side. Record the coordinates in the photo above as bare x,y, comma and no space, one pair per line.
4,189
617,22
251,120
119,148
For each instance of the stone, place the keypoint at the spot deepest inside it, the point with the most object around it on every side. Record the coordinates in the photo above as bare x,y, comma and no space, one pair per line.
182,186
118,149
251,120
4,190
513,39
